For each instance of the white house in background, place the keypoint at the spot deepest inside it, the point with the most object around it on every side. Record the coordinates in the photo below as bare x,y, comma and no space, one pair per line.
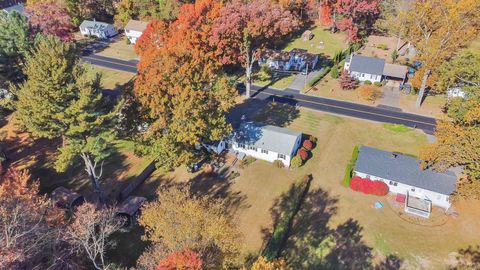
134,30
216,147
364,68
419,189
266,142
97,29
454,92
294,60
20,8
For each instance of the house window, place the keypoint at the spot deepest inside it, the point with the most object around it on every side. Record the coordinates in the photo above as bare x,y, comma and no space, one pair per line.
413,189
241,145
264,151
395,183
281,156
252,148
446,198
362,75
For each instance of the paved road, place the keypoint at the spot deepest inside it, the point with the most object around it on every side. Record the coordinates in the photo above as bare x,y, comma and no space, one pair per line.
385,115
113,63
424,123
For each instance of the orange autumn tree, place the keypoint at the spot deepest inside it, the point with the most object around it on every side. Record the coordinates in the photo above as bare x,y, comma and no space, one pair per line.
185,260
181,83
29,226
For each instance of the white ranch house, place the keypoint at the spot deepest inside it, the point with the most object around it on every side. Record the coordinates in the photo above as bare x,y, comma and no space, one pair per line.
403,175
134,30
299,60
13,6
364,68
266,142
97,29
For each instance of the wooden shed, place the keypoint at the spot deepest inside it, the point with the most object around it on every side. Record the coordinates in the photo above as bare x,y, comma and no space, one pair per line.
130,208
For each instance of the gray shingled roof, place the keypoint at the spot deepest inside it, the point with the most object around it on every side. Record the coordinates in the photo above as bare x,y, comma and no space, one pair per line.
18,8
271,138
94,24
403,169
365,64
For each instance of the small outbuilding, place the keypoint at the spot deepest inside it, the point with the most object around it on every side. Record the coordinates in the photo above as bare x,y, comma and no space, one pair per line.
66,198
97,29
130,208
134,30
307,35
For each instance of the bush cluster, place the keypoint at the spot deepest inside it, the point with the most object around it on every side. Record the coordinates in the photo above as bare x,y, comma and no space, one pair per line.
367,82
350,166
302,153
278,164
308,145
368,186
320,76
378,84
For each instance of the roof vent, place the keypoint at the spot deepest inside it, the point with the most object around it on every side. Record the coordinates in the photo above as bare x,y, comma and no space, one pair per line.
394,155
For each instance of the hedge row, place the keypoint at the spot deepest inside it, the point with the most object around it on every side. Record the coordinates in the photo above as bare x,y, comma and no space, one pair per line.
368,186
350,166
320,76
280,232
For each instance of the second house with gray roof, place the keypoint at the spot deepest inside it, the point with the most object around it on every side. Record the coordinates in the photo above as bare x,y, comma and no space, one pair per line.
266,142
365,68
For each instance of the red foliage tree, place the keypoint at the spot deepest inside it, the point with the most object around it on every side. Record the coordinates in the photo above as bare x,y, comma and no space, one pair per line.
356,183
308,145
184,260
325,15
347,82
51,18
244,28
357,17
303,154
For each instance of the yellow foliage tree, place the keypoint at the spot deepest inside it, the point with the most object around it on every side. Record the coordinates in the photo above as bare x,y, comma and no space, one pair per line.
263,264
437,29
179,220
369,92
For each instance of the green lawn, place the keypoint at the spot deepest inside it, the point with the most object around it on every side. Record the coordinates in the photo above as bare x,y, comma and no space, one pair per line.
111,79
280,83
332,43
119,49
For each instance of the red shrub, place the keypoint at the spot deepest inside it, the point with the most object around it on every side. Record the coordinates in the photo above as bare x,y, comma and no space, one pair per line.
308,145
368,186
356,183
303,154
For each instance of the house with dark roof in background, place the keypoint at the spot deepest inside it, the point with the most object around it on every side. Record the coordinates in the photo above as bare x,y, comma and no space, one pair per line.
134,30
266,142
365,68
419,189
10,6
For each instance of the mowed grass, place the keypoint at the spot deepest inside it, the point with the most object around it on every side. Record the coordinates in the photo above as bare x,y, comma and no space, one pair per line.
262,184
332,42
280,83
119,49
111,79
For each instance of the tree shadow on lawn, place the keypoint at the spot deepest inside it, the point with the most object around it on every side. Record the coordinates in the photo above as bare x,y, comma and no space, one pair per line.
313,244
278,114
218,186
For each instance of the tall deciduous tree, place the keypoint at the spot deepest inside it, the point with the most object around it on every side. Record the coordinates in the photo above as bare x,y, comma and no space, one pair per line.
462,71
51,19
29,226
356,17
181,84
244,28
437,29
90,232
179,220
60,99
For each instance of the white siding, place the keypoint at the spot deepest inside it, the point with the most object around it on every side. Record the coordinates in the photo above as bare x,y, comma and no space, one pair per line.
133,35
437,199
365,76
270,155
107,32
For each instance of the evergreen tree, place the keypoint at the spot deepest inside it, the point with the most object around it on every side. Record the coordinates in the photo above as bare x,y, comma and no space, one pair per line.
60,99
15,41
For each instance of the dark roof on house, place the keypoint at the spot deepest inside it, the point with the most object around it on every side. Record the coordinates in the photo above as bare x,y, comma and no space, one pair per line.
8,3
64,196
403,169
277,139
131,205
365,64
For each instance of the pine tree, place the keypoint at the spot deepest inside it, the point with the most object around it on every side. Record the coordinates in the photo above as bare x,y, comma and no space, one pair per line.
60,99
15,41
